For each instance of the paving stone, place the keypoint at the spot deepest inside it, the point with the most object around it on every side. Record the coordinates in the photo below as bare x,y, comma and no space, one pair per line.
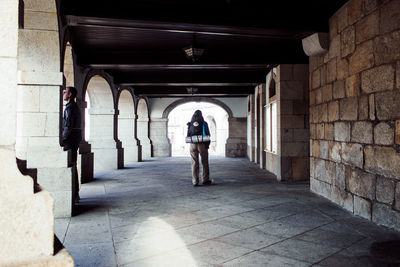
181,257
100,254
60,228
331,238
280,227
166,220
208,230
140,248
251,238
255,259
216,252
301,250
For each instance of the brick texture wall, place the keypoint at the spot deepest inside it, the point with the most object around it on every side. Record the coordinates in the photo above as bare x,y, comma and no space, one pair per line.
355,112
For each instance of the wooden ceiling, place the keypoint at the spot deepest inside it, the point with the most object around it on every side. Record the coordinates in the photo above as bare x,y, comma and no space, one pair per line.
140,42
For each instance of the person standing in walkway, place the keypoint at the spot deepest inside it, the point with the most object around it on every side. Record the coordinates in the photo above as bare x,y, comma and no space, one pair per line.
199,136
72,134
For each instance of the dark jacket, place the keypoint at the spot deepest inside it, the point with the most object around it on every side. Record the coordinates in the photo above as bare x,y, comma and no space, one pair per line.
72,132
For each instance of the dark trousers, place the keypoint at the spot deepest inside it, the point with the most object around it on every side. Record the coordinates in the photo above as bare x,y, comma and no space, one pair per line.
195,150
74,172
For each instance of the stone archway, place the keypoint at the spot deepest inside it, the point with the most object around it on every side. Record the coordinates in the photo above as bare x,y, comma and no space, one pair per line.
101,116
196,99
142,112
236,145
127,127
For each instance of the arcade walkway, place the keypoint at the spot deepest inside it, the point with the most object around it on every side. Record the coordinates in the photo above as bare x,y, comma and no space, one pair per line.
150,215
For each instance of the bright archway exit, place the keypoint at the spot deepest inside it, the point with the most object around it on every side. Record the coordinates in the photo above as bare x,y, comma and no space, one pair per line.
215,116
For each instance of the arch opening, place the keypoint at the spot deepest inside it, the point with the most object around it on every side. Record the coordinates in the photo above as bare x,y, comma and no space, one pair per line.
214,115
99,127
126,127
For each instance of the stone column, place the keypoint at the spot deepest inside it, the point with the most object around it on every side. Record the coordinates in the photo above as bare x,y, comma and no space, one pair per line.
159,137
143,135
126,133
295,132
27,218
102,140
86,162
236,145
290,161
250,129
85,157
262,123
39,107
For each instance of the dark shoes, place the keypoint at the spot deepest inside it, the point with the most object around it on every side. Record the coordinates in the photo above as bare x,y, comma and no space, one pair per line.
208,182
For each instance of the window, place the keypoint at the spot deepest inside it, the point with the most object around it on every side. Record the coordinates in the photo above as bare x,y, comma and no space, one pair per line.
271,119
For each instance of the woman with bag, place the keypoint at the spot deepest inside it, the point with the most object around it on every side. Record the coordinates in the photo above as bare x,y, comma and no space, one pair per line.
198,135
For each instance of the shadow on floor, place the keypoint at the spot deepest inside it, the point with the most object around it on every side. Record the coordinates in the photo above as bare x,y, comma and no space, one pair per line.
80,209
387,252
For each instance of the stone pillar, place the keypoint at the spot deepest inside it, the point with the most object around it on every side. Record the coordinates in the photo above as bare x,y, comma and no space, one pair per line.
126,133
250,129
236,143
86,162
27,218
143,136
85,157
295,132
102,140
159,137
39,106
290,161
262,136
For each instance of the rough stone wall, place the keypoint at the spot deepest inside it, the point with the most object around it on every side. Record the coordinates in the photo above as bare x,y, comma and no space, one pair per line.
355,112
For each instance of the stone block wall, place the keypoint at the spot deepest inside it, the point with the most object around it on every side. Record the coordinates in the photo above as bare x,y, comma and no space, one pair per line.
27,216
294,127
355,112
291,160
38,103
161,146
236,144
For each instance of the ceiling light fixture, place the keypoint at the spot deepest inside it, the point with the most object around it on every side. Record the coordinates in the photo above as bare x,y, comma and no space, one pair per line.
192,51
192,90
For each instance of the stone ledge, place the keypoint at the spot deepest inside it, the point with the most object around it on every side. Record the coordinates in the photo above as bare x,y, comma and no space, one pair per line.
40,78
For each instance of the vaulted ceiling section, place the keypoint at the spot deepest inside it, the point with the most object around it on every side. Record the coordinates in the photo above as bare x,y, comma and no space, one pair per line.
140,42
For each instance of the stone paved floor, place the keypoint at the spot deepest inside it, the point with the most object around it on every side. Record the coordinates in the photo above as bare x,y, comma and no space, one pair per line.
149,214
